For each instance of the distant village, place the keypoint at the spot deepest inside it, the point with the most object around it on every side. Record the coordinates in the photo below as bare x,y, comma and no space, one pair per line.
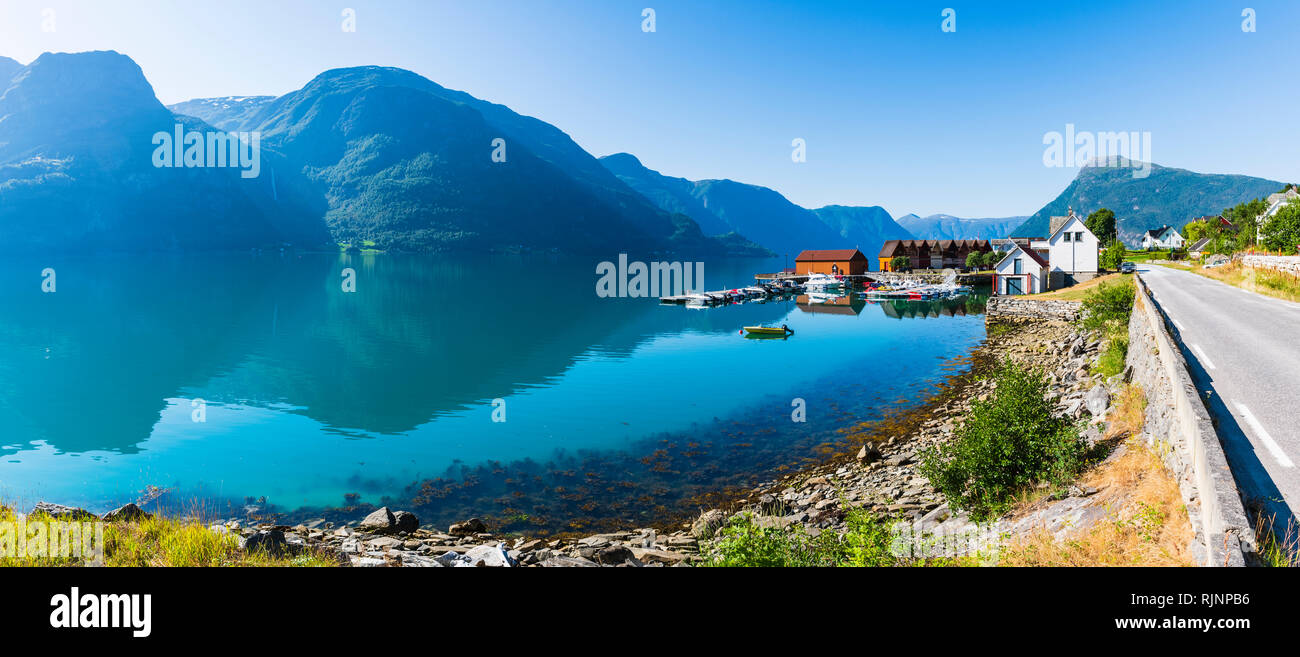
1067,255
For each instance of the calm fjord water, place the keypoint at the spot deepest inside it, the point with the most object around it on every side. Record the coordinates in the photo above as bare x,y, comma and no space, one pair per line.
614,408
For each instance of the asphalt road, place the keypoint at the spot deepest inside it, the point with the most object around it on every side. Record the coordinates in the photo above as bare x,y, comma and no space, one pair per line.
1244,349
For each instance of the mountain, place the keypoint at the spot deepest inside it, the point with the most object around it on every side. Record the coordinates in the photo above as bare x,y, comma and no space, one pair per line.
866,227
400,164
948,227
229,113
758,213
8,67
427,181
77,172
1166,197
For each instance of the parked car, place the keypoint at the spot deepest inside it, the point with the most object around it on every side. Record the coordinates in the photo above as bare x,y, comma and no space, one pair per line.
1127,268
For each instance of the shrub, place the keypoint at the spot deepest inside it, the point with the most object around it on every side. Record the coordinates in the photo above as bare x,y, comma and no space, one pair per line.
866,542
1108,303
742,542
1114,255
1008,443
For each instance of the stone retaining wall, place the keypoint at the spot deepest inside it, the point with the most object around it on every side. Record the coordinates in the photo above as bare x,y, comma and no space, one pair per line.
1287,264
1179,426
1014,306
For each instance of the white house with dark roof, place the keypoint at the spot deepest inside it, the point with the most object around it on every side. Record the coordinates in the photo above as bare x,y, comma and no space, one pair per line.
1071,251
1164,237
1021,271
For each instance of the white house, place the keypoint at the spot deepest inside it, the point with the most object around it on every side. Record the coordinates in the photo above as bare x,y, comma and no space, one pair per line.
1071,252
1274,203
1164,237
1021,271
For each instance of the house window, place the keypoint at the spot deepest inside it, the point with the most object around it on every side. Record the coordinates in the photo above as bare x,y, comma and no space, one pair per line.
1019,266
1078,237
1067,237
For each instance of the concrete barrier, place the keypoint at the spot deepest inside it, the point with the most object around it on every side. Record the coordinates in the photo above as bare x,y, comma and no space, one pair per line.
1178,421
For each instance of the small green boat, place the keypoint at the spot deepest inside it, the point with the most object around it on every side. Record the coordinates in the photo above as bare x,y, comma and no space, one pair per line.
768,331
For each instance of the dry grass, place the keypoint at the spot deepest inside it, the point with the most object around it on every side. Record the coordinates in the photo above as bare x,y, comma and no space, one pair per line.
1128,414
1276,551
1263,281
1077,292
1146,523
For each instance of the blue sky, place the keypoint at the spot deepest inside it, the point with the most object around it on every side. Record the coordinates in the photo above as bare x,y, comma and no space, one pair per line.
894,111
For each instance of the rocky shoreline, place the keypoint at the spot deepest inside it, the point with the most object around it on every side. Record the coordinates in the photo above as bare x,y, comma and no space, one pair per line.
878,471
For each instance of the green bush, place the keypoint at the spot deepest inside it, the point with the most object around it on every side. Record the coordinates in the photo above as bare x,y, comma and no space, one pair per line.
1008,443
743,543
1113,256
1108,303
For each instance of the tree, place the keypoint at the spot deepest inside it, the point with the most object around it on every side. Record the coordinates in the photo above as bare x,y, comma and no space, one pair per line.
1282,230
992,258
1195,230
900,263
1102,224
975,260
1114,254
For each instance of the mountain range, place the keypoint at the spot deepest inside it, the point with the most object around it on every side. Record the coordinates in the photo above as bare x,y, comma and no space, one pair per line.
1167,196
386,156
759,213
948,227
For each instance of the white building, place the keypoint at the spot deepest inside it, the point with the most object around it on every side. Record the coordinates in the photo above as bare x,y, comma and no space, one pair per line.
1274,203
1022,271
1071,252
1164,237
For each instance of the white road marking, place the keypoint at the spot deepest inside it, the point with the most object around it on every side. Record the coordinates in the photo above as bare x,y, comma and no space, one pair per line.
1180,325
1200,353
1263,436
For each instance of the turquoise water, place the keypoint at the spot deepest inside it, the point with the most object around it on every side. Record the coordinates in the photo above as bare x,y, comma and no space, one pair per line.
614,408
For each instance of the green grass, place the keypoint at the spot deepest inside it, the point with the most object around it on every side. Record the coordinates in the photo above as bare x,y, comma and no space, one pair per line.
160,542
867,542
1114,355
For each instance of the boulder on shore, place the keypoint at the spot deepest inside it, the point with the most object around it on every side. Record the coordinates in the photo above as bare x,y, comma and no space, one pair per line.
127,513
379,522
405,521
61,512
471,526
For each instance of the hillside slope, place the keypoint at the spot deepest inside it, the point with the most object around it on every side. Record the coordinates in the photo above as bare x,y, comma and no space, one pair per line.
1167,197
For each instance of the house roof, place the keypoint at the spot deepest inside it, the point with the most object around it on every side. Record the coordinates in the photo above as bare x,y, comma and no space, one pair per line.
1066,223
1290,192
828,255
892,247
1033,255
1155,233
1199,245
